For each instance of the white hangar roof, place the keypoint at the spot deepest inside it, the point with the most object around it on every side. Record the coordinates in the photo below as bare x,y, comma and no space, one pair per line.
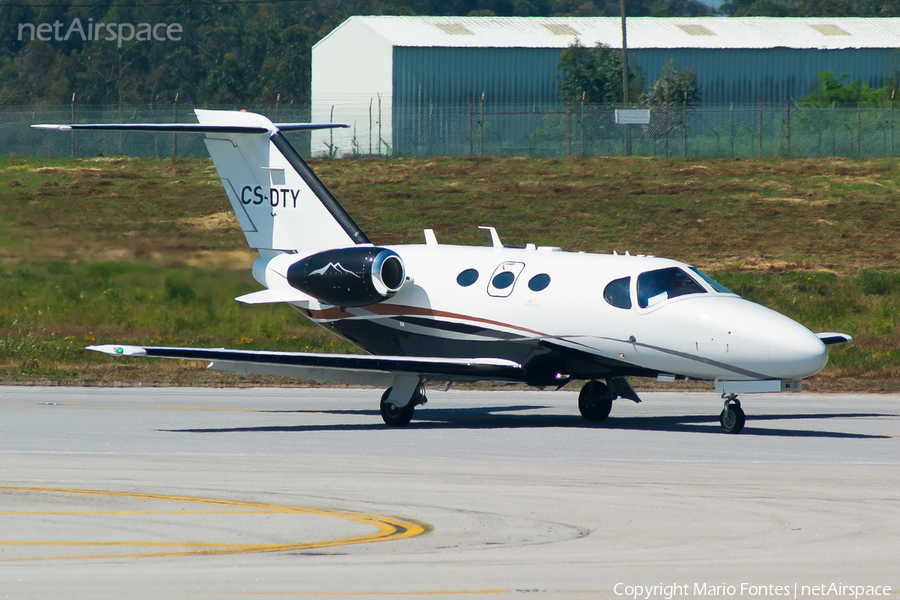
832,33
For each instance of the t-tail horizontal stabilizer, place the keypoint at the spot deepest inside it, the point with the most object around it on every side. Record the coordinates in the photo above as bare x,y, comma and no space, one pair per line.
279,202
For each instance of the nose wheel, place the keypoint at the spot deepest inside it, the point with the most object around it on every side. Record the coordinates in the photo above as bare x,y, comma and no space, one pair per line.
732,418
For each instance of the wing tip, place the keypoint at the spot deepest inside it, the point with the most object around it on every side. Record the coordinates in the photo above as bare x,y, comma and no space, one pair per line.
118,350
52,127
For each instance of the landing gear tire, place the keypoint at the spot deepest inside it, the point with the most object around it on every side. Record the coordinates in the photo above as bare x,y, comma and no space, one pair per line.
395,416
732,418
594,401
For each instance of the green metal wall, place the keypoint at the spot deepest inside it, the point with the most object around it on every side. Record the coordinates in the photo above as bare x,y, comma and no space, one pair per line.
458,75
750,75
517,75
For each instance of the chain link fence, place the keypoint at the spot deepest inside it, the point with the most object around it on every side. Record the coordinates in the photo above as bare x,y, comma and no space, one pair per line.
674,130
482,129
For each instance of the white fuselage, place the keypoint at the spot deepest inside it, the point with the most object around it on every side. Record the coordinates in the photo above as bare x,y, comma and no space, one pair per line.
568,326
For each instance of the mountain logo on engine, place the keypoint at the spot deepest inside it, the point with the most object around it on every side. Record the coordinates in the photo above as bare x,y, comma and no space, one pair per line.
333,268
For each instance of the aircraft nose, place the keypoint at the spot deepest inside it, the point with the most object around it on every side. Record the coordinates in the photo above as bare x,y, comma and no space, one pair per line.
795,352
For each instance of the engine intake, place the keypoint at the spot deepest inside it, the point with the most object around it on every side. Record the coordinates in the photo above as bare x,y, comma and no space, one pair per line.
349,276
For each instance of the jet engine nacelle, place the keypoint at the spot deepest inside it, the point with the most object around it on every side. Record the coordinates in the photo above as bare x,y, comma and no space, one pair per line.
349,276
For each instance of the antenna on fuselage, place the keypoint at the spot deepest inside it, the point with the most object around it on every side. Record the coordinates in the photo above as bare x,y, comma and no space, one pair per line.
495,239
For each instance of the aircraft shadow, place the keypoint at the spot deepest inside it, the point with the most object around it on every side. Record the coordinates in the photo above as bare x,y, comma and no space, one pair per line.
499,418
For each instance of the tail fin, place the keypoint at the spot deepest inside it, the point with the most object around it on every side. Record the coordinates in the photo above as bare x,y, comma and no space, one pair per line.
279,202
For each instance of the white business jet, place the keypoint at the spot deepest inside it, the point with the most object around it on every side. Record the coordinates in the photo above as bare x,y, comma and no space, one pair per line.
422,312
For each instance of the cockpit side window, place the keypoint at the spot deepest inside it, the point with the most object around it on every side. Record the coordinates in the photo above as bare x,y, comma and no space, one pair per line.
618,293
654,287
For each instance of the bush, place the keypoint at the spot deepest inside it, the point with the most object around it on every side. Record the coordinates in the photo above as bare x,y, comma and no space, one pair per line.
876,282
179,289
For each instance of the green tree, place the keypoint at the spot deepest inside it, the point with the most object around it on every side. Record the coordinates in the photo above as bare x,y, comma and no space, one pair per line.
679,8
884,8
829,91
241,51
595,74
673,85
892,76
811,8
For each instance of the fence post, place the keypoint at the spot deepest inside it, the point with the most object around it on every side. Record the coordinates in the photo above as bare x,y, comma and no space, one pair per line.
891,105
175,120
731,130
581,138
72,121
833,131
684,124
471,126
858,127
787,99
481,128
666,112
568,128
331,153
760,125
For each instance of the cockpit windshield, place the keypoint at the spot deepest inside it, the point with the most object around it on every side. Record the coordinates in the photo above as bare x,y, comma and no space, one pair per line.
712,282
654,287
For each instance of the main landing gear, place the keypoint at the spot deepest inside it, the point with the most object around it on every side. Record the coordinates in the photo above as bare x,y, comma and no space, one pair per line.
595,401
732,418
596,398
400,416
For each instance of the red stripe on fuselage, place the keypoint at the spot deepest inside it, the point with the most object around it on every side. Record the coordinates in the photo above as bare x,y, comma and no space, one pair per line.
397,310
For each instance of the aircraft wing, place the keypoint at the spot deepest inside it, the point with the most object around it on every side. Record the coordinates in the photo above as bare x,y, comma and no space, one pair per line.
348,368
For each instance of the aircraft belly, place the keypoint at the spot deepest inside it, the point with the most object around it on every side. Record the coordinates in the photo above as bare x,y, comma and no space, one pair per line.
543,360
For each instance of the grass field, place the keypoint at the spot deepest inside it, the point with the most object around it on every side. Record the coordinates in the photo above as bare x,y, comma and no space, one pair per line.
147,251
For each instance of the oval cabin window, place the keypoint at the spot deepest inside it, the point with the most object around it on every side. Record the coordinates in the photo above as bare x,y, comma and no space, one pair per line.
539,282
467,277
504,280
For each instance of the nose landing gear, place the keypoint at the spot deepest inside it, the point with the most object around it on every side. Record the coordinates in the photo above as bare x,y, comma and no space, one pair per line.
732,418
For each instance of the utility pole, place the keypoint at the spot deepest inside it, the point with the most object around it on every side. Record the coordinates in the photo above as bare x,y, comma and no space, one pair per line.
625,78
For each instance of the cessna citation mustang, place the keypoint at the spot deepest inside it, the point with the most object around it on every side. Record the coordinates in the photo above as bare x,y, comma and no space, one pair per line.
442,312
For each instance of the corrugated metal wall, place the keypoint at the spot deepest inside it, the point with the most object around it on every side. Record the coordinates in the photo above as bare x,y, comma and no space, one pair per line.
459,74
517,75
441,88
745,76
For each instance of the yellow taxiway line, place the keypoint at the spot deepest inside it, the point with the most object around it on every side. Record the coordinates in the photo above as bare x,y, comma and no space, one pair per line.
388,528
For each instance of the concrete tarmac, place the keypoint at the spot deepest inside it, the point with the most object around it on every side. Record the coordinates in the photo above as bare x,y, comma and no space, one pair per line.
196,493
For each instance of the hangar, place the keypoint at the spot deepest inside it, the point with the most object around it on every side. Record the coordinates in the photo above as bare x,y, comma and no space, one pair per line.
394,78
